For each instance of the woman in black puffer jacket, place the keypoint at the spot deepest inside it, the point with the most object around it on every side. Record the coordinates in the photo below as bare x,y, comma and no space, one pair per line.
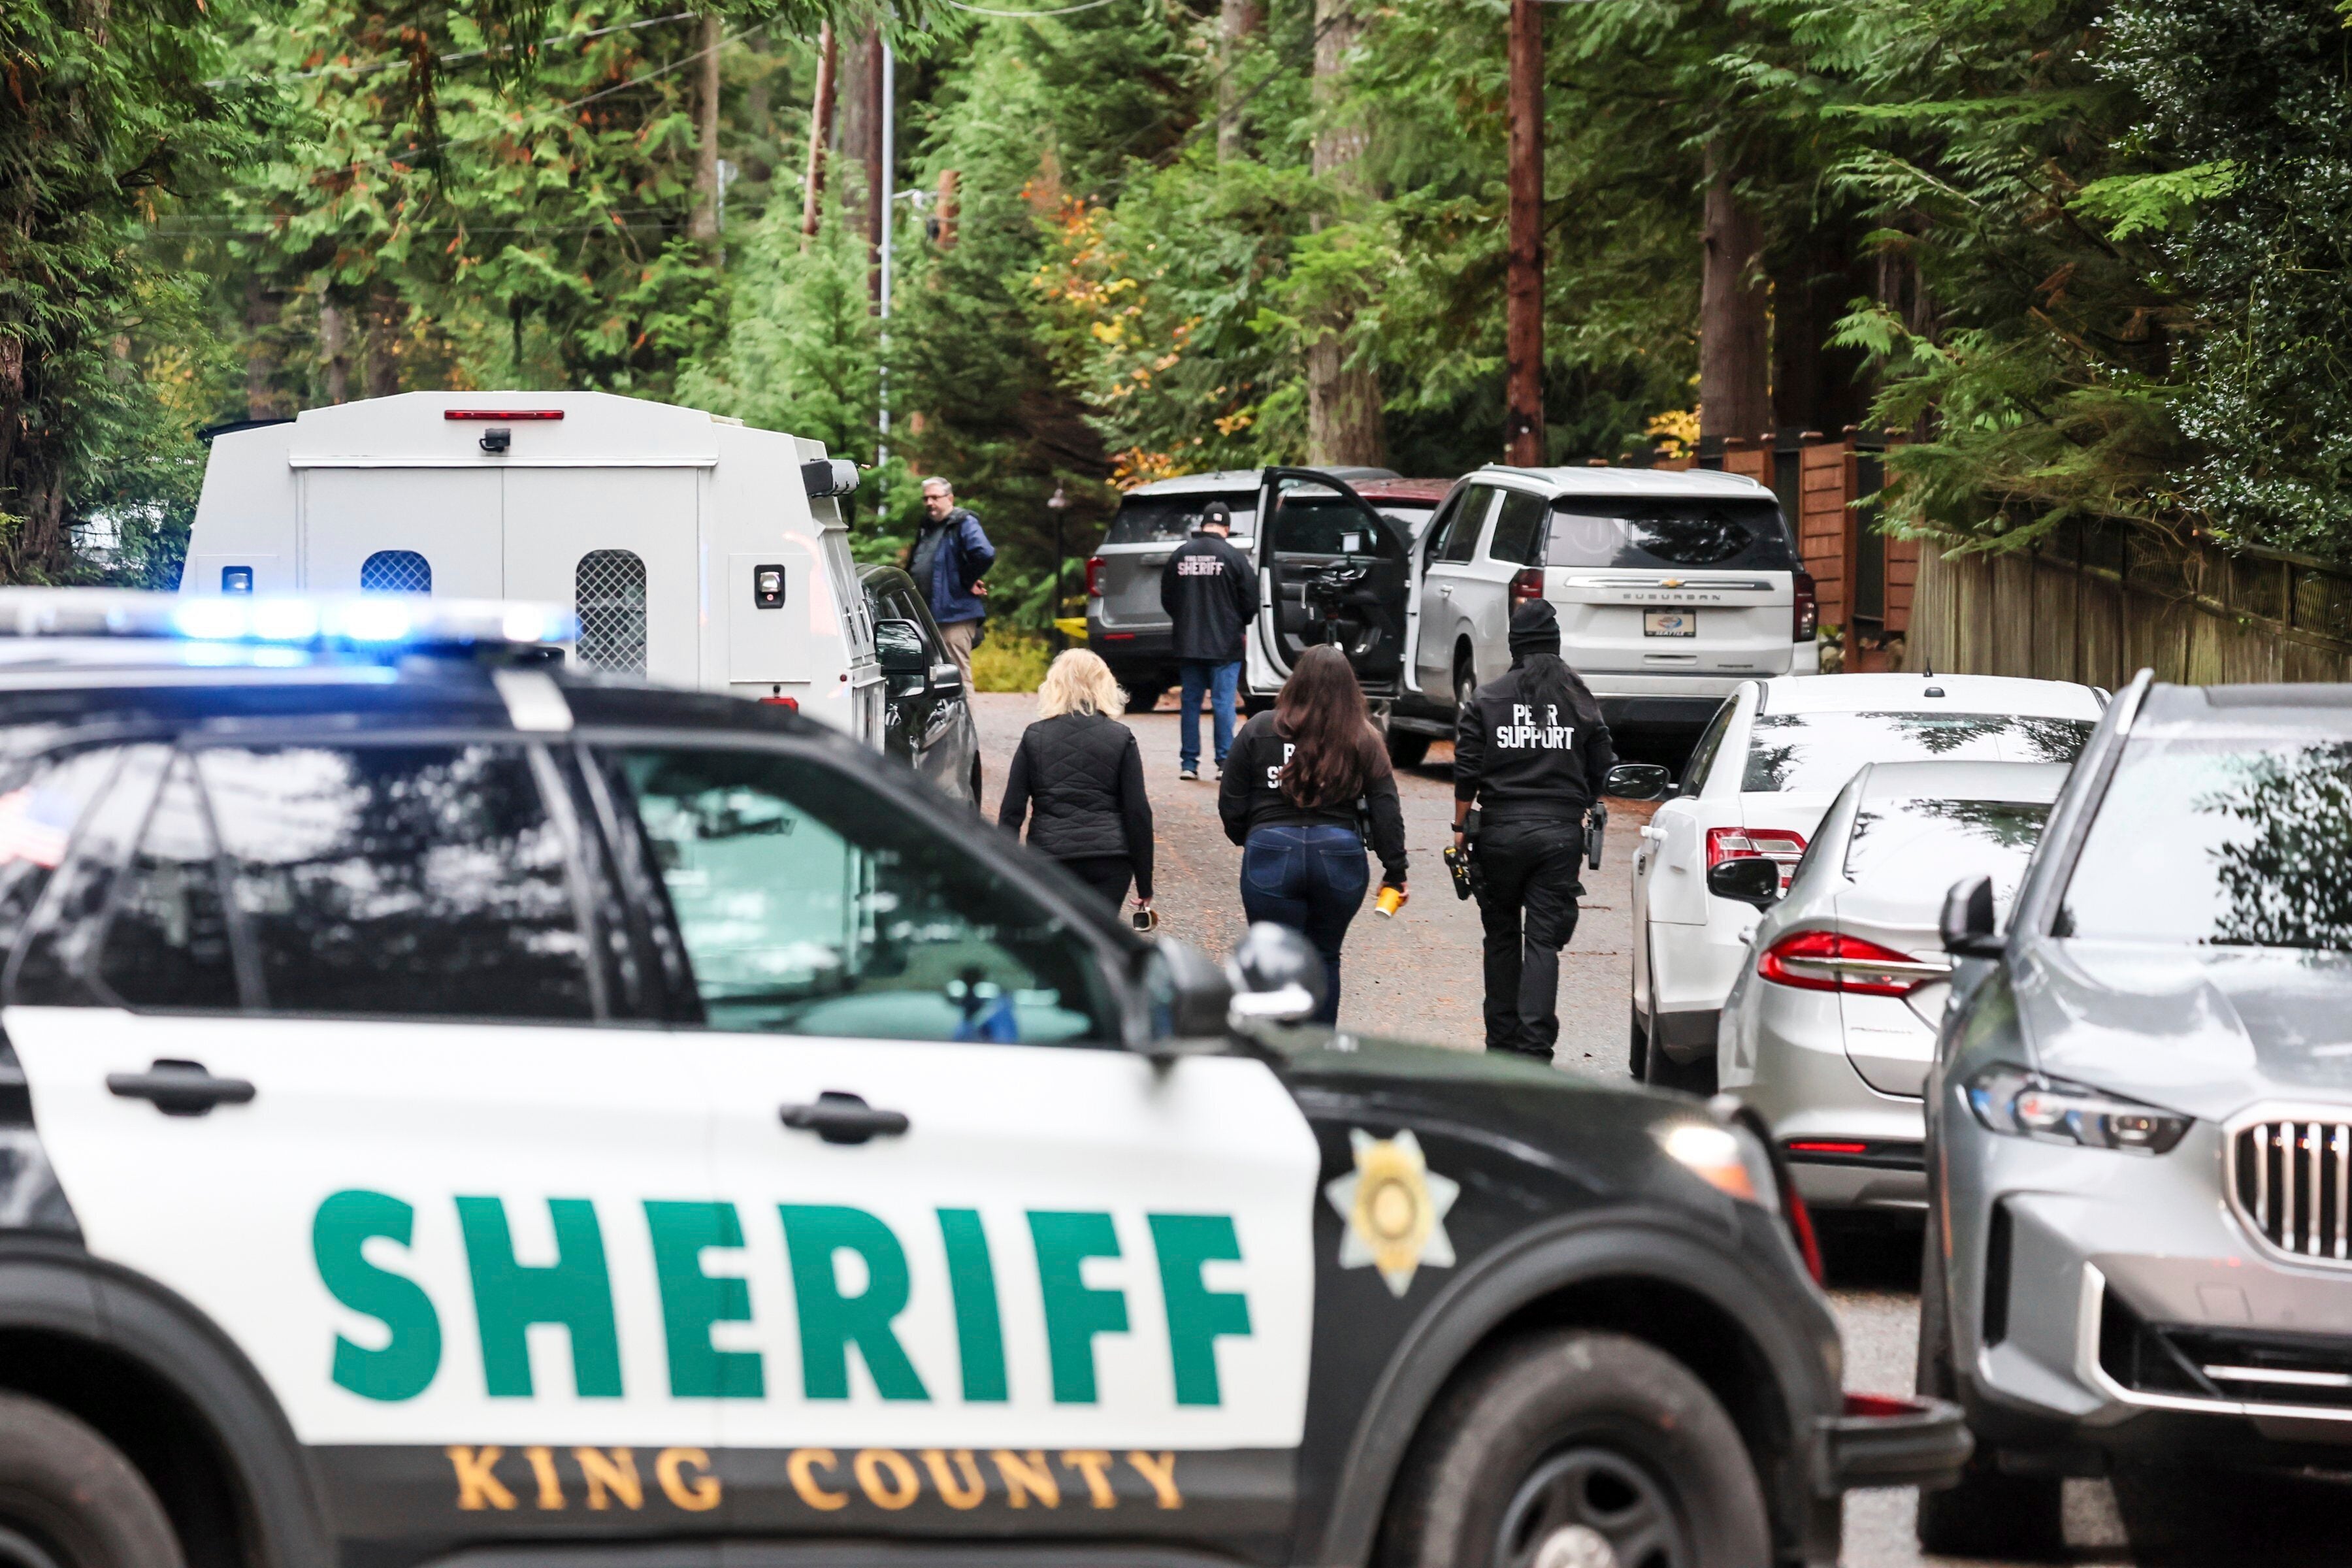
1078,778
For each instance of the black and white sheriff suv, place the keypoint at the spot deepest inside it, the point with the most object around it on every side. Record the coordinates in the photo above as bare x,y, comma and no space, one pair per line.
459,1111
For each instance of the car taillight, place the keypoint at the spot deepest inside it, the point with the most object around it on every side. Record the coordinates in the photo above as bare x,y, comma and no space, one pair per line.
1829,961
790,705
1776,844
1807,615
1527,586
1094,577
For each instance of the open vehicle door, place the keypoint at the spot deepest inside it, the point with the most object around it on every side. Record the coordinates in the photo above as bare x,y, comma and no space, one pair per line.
1330,570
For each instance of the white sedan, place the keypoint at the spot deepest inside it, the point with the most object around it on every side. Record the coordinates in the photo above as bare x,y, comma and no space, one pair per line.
1758,784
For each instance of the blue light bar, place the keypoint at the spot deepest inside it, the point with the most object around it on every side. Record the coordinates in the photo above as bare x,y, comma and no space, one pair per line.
356,621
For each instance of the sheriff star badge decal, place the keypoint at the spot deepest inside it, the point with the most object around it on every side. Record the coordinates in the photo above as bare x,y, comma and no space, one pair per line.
1394,1209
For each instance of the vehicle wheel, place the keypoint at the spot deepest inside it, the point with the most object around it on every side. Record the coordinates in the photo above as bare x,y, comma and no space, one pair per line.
1661,1071
1144,698
1988,1514
1406,749
1466,687
1575,1447
69,1499
1637,1058
1253,706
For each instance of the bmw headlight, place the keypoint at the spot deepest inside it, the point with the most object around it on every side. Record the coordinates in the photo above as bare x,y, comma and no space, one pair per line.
2025,1104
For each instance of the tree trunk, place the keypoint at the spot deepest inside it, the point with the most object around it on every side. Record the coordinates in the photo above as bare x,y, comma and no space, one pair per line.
1733,316
828,53
335,346
261,310
387,316
703,226
1523,418
1238,21
1815,386
946,208
1345,423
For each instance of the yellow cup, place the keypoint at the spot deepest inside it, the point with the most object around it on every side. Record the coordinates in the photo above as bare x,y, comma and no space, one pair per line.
1390,902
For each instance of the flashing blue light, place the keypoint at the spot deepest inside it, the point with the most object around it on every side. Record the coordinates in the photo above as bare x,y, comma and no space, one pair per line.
285,620
375,621
212,620
282,622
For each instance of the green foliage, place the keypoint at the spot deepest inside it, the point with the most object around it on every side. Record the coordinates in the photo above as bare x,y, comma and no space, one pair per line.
107,114
2092,254
2264,392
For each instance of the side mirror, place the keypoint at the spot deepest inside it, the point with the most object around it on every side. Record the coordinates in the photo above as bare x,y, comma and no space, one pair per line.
1189,996
1278,976
1750,879
1968,924
1639,781
898,647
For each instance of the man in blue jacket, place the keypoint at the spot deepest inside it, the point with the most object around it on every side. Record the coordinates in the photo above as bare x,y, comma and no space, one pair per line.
951,556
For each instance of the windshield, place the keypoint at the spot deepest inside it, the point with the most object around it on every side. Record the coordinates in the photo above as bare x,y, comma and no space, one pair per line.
1819,751
1168,520
2235,842
1647,532
1412,517
1306,523
1928,845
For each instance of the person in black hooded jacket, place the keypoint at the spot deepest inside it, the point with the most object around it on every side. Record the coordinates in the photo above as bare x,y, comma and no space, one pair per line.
1530,755
1078,778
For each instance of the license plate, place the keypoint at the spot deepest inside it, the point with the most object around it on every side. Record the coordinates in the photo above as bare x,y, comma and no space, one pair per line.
1670,623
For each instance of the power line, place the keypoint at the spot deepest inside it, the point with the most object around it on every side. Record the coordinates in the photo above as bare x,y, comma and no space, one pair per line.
1063,11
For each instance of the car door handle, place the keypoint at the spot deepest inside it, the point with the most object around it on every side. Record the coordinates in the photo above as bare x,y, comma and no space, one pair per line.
840,1118
179,1088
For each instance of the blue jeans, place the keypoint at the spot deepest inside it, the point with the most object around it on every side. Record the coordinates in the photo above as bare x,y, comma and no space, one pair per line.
1312,880
1218,681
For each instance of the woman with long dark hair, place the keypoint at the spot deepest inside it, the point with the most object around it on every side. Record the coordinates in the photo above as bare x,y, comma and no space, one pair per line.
1304,787
1530,757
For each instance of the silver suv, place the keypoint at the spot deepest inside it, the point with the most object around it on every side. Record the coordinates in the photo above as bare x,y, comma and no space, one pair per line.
2139,1119
1671,588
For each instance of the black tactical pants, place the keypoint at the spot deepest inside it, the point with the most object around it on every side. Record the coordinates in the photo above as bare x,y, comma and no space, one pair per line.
1530,908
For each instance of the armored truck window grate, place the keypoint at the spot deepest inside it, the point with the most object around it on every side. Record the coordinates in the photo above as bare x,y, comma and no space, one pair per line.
609,592
395,571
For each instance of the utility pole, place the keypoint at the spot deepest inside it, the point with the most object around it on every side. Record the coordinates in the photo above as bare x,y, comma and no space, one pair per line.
1058,503
1523,420
885,154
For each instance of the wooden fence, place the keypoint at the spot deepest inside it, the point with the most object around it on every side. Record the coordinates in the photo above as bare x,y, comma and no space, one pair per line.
2098,603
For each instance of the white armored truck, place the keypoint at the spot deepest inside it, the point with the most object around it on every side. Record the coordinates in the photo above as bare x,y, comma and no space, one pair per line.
697,552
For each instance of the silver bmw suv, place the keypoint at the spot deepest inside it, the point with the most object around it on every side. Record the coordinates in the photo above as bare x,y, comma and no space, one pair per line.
2139,1119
